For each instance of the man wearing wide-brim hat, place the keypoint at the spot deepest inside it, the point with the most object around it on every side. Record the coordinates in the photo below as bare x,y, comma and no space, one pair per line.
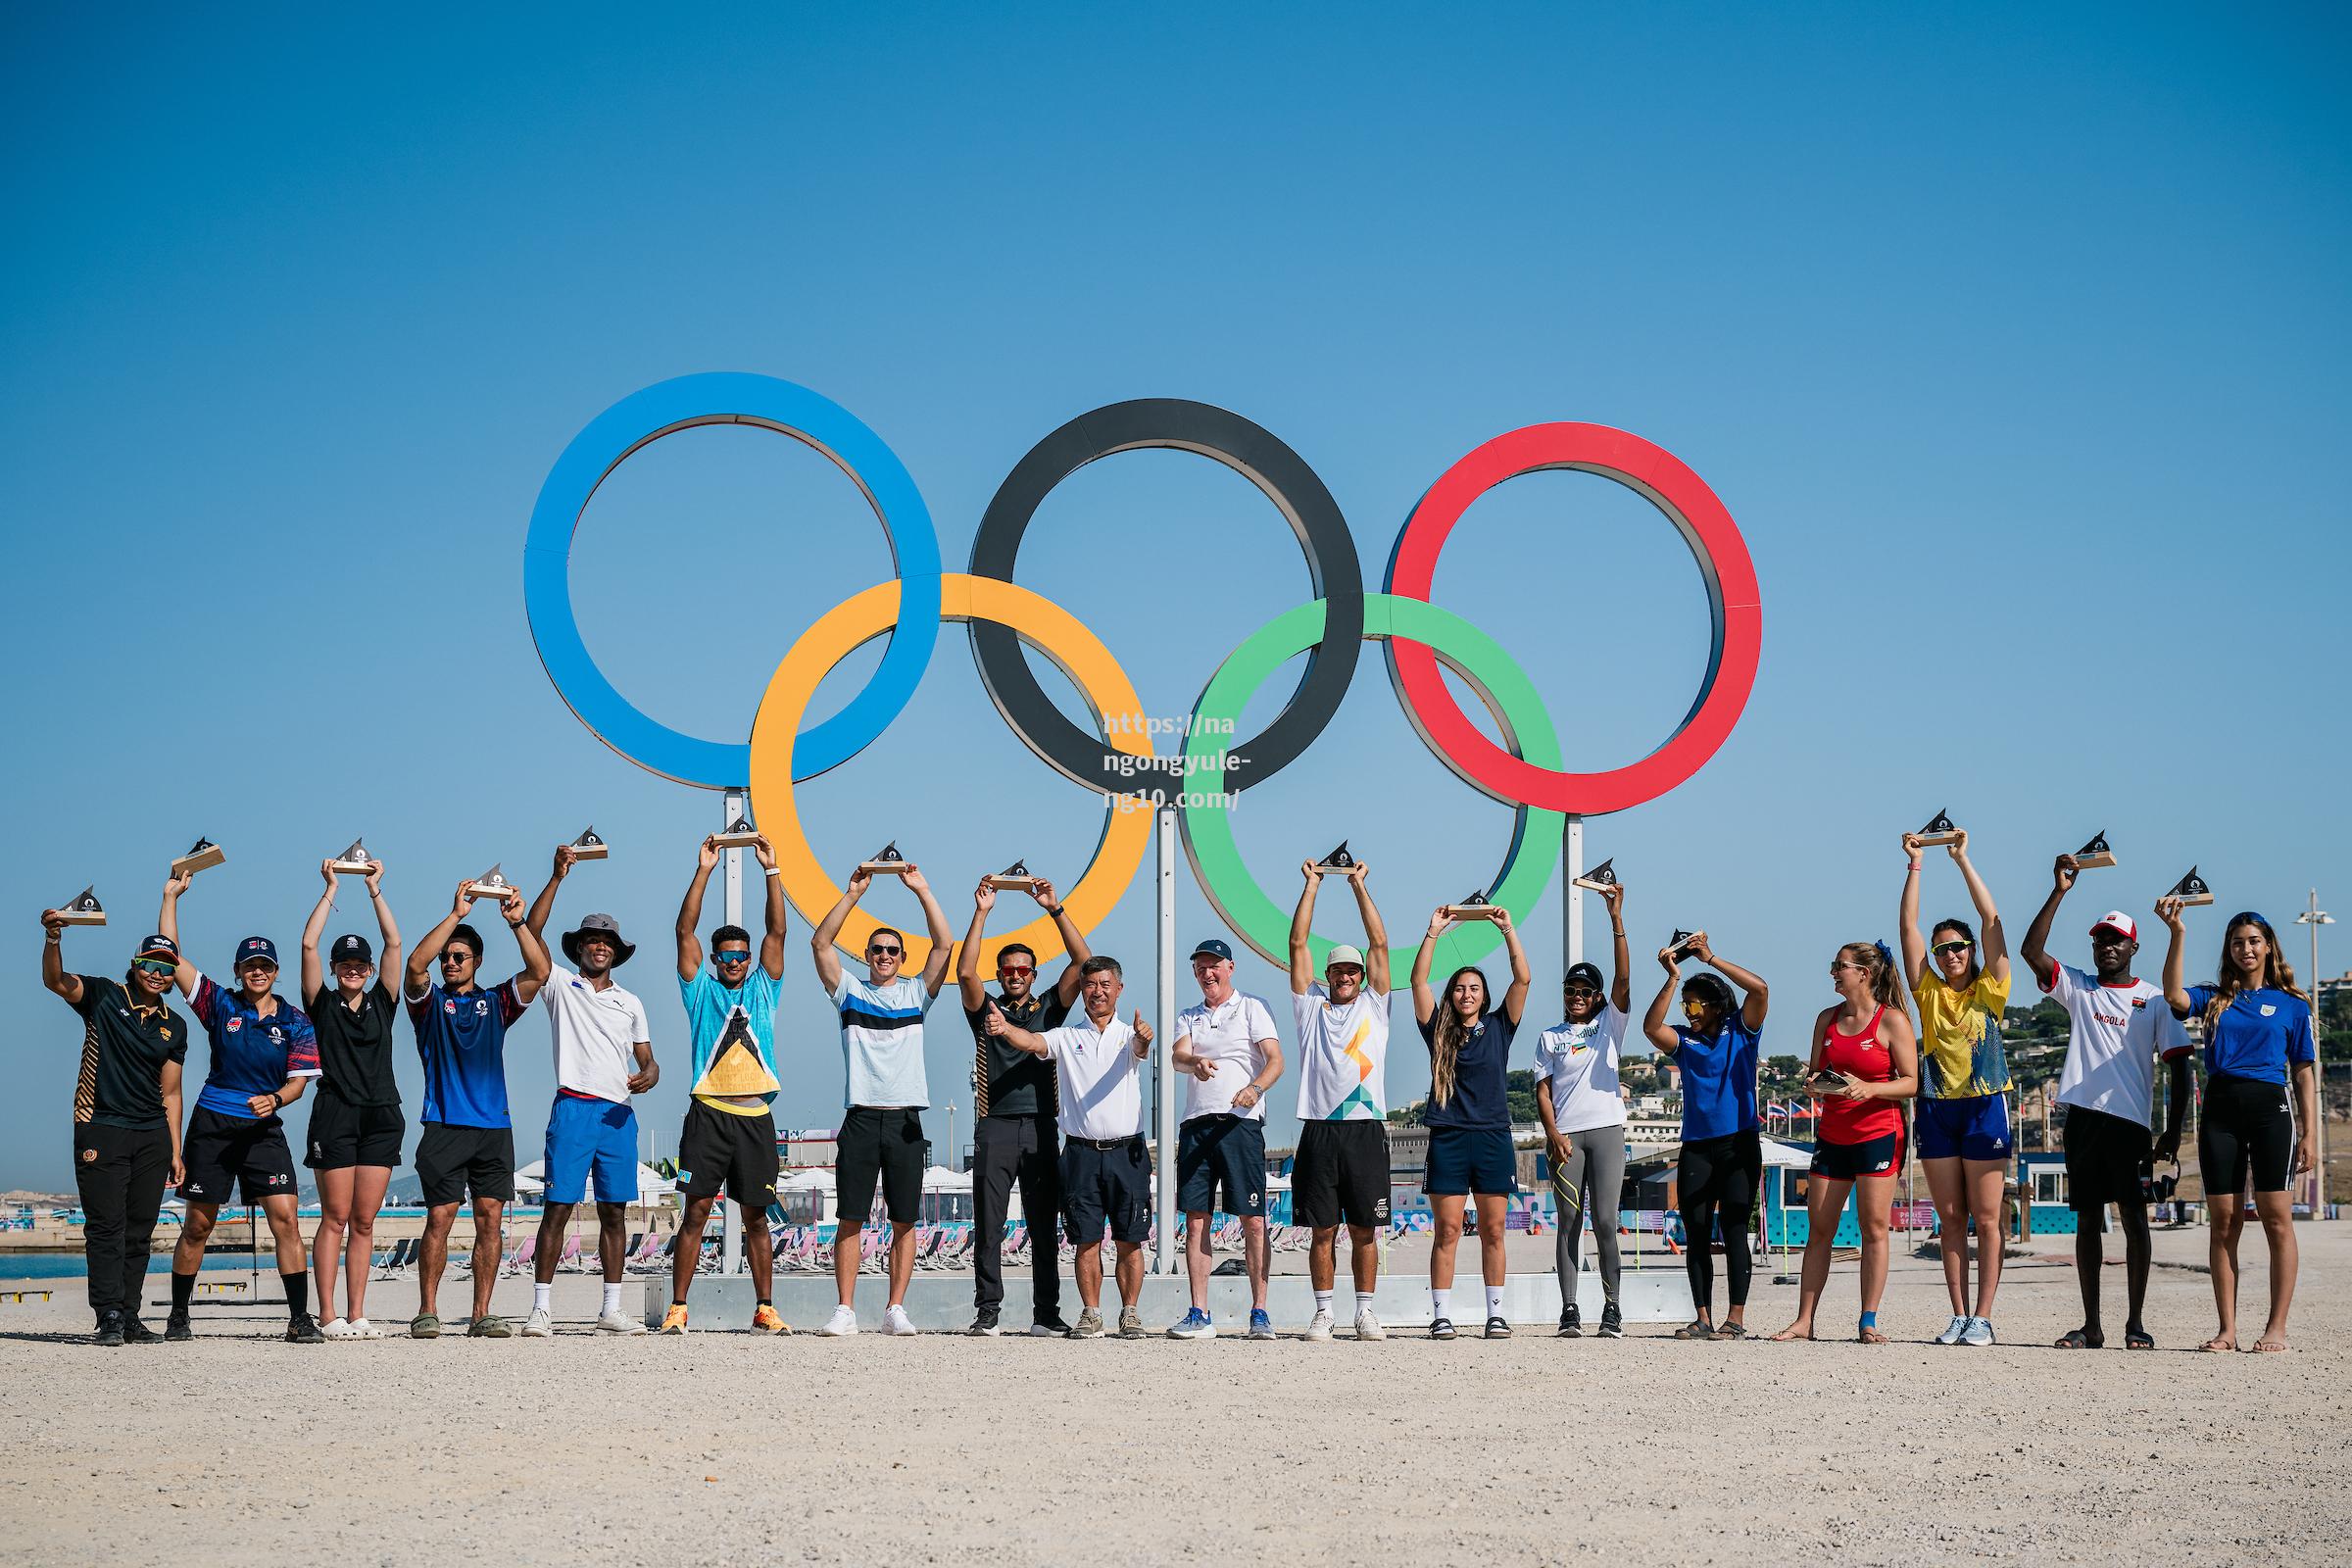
603,1054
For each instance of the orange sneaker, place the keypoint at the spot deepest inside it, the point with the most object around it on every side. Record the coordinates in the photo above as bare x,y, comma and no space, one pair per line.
673,1321
768,1320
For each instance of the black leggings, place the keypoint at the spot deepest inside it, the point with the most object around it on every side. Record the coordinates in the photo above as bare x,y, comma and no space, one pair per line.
2247,1132
1717,1178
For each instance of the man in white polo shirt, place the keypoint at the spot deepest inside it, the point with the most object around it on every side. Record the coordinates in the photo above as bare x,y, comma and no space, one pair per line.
1228,1043
1106,1170
881,1138
603,1054
1341,1172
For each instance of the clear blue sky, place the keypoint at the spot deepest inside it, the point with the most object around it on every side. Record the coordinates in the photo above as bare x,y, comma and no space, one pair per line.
2015,342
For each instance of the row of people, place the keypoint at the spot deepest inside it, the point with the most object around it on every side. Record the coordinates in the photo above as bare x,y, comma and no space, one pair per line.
1059,1106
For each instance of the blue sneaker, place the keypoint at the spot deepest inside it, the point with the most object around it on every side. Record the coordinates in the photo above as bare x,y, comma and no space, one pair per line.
1196,1326
1261,1327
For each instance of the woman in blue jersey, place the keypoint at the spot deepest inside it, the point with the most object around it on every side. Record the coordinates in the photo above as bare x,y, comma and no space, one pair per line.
1722,1159
2258,1036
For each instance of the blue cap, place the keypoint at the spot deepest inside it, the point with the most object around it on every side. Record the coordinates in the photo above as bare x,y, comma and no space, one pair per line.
1212,948
253,947
158,946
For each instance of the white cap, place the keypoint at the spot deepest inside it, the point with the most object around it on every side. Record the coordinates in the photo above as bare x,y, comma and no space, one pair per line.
2115,920
1344,954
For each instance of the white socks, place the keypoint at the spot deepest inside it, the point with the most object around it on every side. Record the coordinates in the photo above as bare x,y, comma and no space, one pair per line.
1495,1301
539,1297
612,1300
1323,1300
1363,1301
1440,1303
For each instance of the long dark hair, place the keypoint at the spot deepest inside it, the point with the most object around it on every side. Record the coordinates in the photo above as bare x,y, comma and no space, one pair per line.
1975,965
1713,988
1445,1040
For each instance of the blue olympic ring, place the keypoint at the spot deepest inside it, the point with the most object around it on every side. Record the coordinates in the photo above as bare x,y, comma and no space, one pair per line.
728,397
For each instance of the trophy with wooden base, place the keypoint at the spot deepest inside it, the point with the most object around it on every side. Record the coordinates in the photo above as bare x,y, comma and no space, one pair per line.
202,857
2096,854
1940,830
886,862
1600,879
588,846
1015,878
83,909
1339,863
1473,908
2191,888
491,884
740,835
354,862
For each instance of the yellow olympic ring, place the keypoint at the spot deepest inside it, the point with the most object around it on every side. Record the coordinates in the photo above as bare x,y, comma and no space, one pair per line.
1040,622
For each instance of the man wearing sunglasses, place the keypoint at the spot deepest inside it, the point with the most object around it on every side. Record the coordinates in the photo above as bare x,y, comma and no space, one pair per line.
263,1054
729,1141
881,1137
1017,1122
125,1117
467,1146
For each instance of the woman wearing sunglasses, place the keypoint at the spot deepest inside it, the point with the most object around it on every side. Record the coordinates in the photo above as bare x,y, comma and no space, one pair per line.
1964,1141
2257,1036
1865,1065
1722,1159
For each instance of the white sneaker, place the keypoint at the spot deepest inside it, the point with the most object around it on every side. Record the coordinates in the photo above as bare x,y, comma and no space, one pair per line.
1951,1334
896,1321
362,1329
1978,1332
337,1329
1367,1327
1320,1327
842,1324
618,1323
538,1326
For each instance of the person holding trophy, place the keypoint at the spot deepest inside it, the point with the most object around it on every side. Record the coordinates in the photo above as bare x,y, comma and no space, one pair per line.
356,1125
1469,1112
1583,1111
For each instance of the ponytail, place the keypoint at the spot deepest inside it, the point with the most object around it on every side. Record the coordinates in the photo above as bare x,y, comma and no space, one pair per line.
1885,976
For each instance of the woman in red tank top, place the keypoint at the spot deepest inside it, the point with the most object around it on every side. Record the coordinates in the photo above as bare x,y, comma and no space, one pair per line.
1865,1064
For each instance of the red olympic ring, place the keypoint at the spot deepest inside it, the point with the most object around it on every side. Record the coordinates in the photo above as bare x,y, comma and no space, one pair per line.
1732,597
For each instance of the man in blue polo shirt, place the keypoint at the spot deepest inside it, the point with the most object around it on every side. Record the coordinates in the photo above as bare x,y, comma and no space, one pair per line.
263,1054
468,1141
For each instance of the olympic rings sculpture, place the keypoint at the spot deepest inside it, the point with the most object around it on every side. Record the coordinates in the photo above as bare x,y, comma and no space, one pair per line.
1525,773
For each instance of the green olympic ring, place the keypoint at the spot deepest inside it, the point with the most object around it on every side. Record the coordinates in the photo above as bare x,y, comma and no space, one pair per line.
1465,649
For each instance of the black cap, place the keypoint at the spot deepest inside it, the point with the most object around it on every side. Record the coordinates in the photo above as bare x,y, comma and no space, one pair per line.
1589,973
349,948
1212,948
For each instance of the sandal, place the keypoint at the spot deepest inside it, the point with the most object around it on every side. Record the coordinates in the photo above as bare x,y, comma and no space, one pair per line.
2218,1343
2138,1340
2270,1347
1730,1331
1698,1328
2081,1340
1869,1336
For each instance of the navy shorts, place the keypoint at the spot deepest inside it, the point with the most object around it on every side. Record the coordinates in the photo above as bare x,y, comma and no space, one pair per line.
1881,1156
1222,1152
1471,1159
585,1136
1975,1127
1106,1187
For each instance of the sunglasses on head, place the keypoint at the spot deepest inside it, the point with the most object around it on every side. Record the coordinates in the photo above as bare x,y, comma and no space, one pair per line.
734,955
1944,949
156,966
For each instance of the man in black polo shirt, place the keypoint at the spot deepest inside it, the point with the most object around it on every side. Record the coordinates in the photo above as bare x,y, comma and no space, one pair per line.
125,1117
1015,1129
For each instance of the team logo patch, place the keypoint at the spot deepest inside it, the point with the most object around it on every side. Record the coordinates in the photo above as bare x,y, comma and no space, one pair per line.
1254,1199
1380,1209
235,1024
89,1157
481,1008
450,1007
685,1175
2267,1009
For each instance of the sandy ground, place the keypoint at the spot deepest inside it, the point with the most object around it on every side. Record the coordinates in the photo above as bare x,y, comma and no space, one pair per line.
585,1450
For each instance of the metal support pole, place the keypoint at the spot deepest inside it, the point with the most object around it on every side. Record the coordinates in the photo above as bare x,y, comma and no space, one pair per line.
1572,849
2315,917
730,1222
1165,1253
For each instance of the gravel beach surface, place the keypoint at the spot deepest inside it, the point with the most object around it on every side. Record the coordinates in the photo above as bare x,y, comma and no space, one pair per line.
588,1449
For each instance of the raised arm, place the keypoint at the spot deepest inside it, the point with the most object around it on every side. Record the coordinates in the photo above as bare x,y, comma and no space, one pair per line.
1620,958
1757,1001
688,931
388,962
2176,963
1425,1000
1654,1027
1906,917
1073,941
828,930
313,973
2037,935
418,975
1376,932
545,904
935,920
53,959
772,940
967,957
1515,1000
167,923
1993,942
537,962
1302,922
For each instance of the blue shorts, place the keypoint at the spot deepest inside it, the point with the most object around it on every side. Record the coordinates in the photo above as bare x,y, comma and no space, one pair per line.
584,1135
1975,1127
1470,1159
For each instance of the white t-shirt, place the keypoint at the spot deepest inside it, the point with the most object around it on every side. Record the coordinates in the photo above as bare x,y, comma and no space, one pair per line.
1101,1094
882,1040
595,1034
1580,1060
2118,1032
1343,1056
1227,1035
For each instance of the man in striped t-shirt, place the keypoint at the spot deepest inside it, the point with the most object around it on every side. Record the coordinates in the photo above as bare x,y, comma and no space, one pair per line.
881,1137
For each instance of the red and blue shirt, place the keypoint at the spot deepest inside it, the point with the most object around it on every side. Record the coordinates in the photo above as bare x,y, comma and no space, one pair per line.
462,1035
253,1054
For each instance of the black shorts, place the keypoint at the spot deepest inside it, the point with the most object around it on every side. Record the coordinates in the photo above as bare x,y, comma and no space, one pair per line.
1341,1175
1106,1187
885,1143
1470,1159
2103,1157
2248,1131
343,1134
1726,1170
1222,1152
1881,1156
240,1151
452,1159
719,1149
